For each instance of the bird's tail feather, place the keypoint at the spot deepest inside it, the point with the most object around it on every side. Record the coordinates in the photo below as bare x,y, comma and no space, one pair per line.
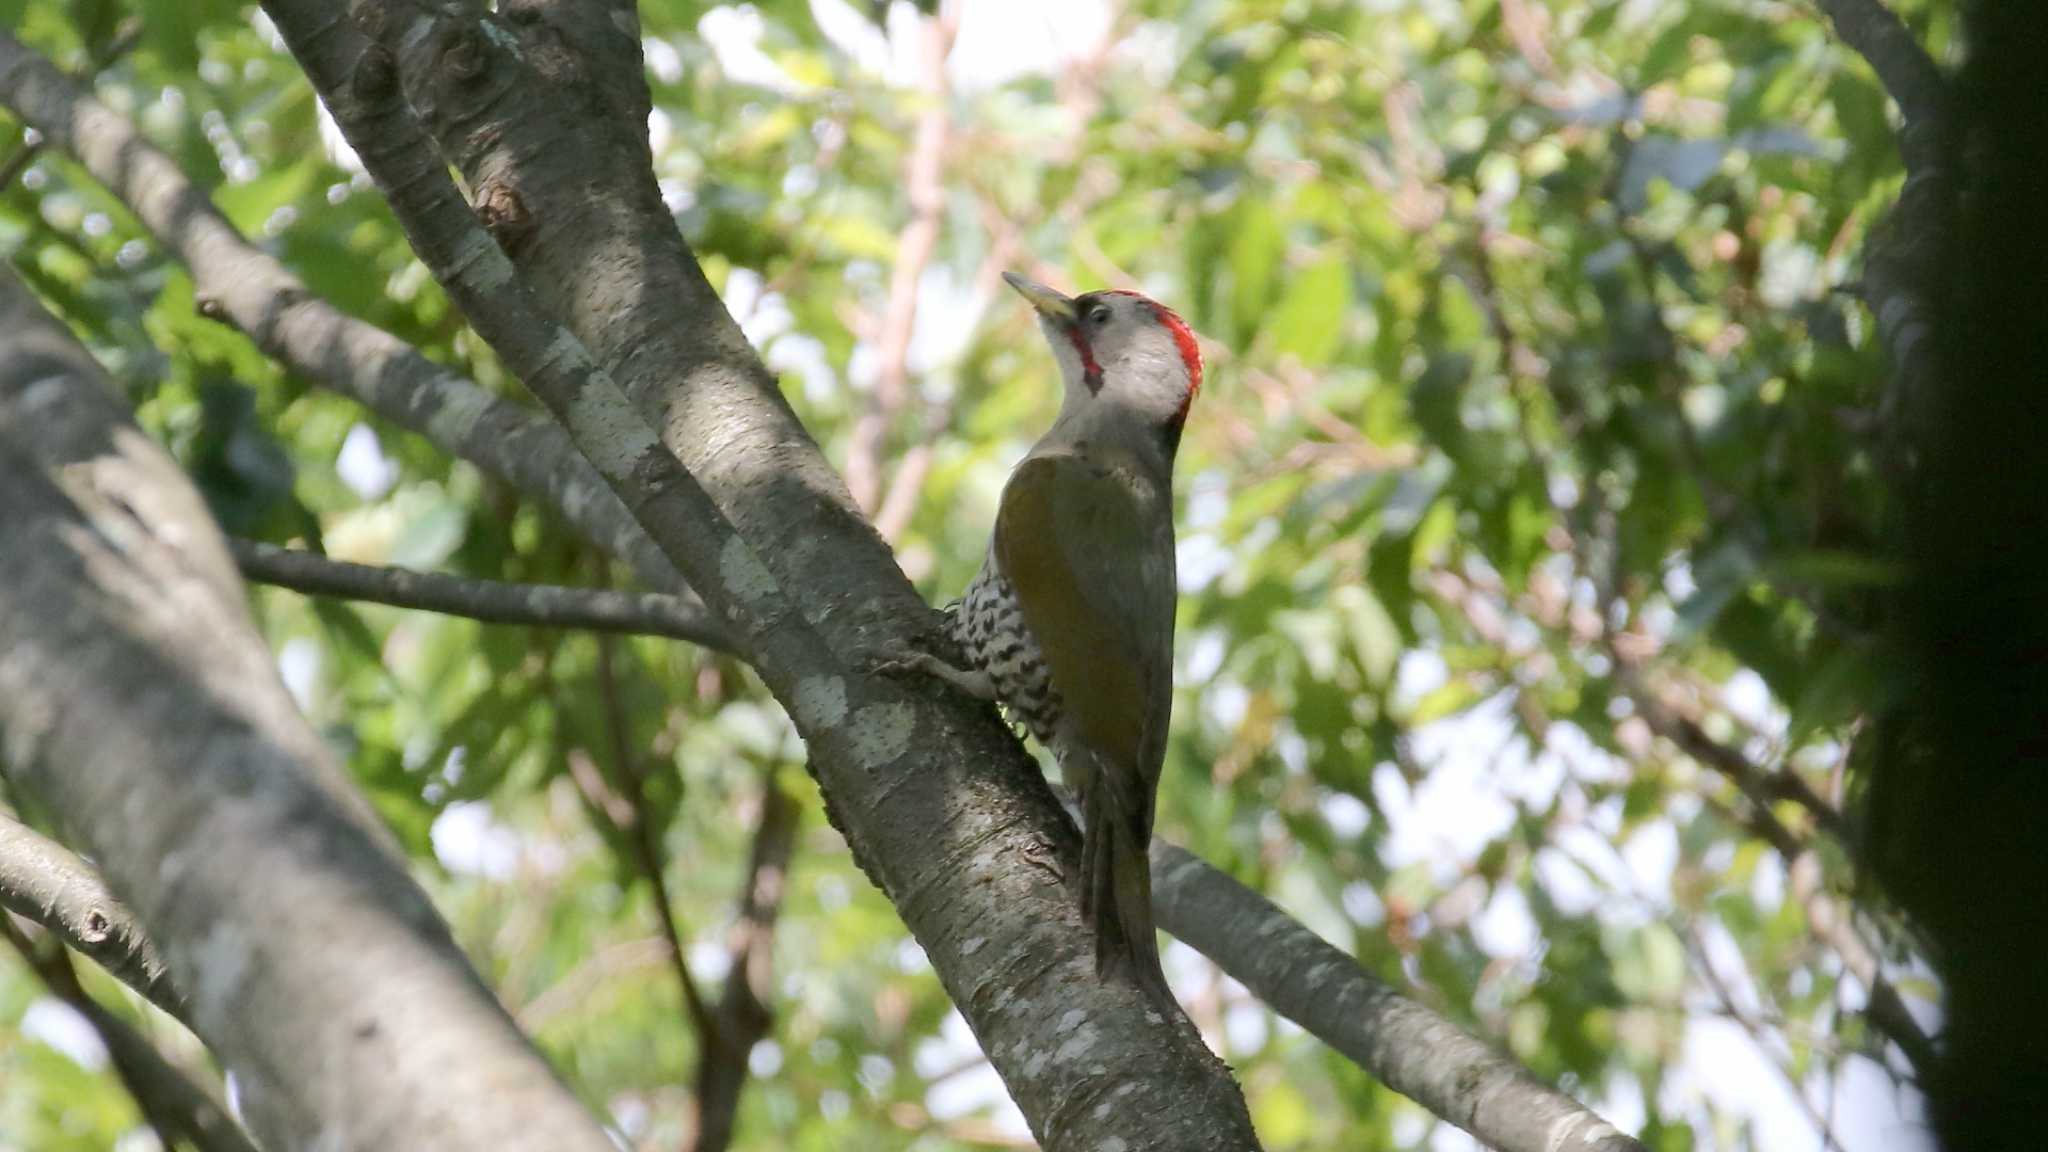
1117,896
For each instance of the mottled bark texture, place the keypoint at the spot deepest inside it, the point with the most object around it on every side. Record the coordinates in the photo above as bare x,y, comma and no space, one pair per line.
140,707
243,285
937,800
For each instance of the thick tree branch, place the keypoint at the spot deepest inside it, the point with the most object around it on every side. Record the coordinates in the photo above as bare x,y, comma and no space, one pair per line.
125,38
1905,69
1956,787
40,880
938,801
240,283
799,488
177,1107
492,601
141,708
1407,1047
1903,255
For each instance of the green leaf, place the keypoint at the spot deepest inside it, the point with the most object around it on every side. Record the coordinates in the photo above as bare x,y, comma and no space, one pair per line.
1447,699
1375,640
250,205
1308,322
1834,568
430,537
1836,690
1256,246
344,625
1282,1114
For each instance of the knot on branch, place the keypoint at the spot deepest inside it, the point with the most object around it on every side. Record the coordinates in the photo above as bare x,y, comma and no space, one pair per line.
376,75
503,213
464,55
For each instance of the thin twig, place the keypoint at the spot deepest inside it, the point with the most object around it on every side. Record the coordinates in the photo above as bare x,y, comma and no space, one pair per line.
601,610
1758,1035
574,988
924,183
744,1007
1833,927
1762,785
23,156
41,880
899,504
636,826
171,1101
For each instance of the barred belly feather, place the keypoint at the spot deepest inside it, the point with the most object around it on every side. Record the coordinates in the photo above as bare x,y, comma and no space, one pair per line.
989,626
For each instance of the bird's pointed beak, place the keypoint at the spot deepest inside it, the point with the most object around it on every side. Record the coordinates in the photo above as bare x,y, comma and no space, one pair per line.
1045,300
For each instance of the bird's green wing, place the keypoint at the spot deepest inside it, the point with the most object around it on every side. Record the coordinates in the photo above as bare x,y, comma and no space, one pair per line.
1087,545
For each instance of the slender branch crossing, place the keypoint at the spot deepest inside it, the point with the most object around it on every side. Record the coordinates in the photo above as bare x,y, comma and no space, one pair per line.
245,286
42,881
492,601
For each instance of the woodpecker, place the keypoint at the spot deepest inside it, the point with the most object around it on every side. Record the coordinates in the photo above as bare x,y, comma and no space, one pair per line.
1069,624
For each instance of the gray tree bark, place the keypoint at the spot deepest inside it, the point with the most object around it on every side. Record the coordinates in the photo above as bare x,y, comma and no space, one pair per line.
138,704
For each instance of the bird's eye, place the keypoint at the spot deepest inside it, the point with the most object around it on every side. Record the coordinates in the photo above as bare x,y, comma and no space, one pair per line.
1099,315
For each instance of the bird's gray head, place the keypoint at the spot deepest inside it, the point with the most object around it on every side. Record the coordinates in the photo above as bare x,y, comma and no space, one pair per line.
1120,354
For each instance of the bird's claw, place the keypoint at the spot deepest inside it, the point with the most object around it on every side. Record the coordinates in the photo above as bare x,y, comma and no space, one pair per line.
897,659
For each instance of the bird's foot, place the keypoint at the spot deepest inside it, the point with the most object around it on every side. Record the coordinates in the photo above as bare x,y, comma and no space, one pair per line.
901,659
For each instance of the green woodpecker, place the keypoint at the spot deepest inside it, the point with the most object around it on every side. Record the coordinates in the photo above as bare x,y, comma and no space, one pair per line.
1069,625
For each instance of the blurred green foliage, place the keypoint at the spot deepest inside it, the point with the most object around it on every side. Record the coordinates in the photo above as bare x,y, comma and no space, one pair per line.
1534,349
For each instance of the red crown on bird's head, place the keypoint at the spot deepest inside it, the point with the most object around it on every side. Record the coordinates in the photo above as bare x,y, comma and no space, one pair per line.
1183,337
